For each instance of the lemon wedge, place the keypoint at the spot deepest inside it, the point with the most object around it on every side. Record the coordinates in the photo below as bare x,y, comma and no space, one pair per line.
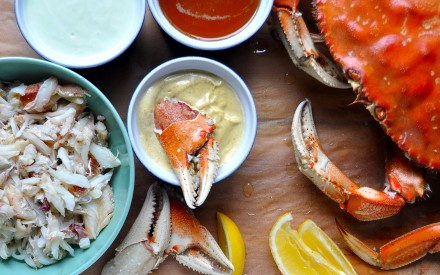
293,255
313,236
231,242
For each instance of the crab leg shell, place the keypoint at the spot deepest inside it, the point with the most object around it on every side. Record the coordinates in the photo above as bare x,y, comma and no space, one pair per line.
134,260
208,169
185,135
197,260
400,251
139,253
367,204
183,138
299,44
403,177
193,245
180,140
363,203
311,159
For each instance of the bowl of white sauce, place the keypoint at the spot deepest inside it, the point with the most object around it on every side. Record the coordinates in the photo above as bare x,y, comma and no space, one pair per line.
207,86
80,33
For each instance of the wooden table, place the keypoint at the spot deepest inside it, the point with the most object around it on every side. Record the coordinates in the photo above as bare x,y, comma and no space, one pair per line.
349,135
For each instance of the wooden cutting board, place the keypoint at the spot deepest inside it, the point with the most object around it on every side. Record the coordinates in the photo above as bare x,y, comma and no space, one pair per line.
350,136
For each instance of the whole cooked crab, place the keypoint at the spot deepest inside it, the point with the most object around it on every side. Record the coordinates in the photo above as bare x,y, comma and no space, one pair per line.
389,52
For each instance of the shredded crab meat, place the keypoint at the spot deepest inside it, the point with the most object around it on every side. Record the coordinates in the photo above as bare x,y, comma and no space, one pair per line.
55,170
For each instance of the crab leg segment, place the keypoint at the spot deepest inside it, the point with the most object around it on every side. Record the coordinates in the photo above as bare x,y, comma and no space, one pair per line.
398,252
185,135
208,168
364,203
193,245
404,177
297,40
143,248
167,226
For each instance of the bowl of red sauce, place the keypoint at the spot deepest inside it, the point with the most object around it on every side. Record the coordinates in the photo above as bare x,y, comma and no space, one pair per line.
210,25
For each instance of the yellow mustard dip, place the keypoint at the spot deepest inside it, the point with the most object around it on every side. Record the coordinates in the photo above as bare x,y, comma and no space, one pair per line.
205,92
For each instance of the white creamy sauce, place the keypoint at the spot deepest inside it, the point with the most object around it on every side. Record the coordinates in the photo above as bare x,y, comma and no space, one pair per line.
79,27
204,92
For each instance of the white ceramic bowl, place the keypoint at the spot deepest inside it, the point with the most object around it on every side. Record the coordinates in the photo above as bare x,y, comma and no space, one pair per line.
42,40
198,64
250,29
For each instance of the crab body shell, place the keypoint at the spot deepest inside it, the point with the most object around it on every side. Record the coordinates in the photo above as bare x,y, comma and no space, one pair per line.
390,51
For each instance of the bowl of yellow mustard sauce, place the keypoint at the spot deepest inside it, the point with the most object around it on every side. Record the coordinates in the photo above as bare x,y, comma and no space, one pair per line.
211,88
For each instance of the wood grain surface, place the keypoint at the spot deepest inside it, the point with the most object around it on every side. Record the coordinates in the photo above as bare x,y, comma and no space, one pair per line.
349,135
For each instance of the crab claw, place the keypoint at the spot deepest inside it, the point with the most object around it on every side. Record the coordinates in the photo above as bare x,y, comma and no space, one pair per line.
185,135
193,245
363,203
400,251
297,40
143,248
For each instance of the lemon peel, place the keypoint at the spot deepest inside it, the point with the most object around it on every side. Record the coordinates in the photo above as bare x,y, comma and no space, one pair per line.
306,251
231,242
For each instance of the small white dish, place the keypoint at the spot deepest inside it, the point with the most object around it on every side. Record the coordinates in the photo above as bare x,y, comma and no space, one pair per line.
80,34
194,64
250,29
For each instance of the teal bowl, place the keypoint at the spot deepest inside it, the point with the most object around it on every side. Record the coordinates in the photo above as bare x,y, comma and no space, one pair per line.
30,70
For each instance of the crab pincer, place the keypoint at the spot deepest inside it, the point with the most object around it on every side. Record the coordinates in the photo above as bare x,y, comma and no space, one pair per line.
404,182
143,248
165,226
186,137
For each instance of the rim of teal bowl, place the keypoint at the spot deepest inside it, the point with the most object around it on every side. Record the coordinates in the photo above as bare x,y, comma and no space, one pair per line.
80,79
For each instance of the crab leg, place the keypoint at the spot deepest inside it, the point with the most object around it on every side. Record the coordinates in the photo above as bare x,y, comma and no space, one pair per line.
166,226
364,203
297,40
143,248
207,169
404,177
400,251
185,135
193,245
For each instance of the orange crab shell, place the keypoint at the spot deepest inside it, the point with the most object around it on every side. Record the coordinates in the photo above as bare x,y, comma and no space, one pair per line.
392,49
183,130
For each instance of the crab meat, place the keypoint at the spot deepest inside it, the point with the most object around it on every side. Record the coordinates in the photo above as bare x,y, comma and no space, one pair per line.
165,226
42,93
186,136
98,212
55,170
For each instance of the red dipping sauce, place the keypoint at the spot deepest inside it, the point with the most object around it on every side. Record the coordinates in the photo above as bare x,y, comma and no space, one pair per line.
211,19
